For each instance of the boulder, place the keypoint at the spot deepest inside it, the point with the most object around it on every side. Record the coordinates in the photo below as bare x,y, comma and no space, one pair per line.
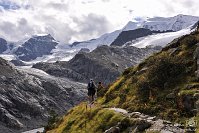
191,86
113,130
197,105
142,125
188,103
171,96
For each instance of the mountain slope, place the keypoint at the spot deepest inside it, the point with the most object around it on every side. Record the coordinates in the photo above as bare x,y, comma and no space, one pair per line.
36,47
3,45
165,85
126,36
27,96
103,64
105,39
160,39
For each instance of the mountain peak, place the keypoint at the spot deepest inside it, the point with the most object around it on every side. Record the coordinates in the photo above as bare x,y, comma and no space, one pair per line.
44,37
175,23
181,15
40,36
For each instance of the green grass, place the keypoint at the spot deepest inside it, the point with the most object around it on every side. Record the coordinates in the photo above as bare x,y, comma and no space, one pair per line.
162,74
84,120
142,88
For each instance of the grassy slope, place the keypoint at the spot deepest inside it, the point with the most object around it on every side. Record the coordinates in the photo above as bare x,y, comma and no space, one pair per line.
143,88
83,120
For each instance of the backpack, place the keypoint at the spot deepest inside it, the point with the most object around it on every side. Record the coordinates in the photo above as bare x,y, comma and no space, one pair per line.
91,86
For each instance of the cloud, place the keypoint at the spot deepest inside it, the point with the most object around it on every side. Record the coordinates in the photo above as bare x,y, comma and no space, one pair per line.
90,25
78,20
106,0
56,18
88,2
58,6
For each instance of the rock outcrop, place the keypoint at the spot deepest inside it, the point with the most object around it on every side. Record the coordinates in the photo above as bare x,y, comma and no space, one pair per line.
126,36
27,96
139,122
103,64
18,62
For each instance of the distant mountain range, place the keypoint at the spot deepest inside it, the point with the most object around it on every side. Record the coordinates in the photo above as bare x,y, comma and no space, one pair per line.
138,33
143,28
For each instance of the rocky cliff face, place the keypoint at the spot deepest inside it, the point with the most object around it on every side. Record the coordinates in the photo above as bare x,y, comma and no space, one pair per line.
126,36
36,47
3,45
103,64
27,96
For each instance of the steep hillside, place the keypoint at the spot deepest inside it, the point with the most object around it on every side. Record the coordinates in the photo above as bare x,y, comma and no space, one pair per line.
103,64
28,97
165,85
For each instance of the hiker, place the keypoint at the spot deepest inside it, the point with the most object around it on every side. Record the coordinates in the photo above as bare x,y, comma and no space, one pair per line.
100,89
91,90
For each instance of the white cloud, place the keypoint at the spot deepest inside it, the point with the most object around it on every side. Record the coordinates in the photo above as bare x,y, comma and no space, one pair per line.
70,20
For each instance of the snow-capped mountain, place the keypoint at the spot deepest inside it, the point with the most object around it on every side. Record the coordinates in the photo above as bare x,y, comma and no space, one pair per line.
175,23
164,29
151,31
105,39
37,46
161,39
156,25
29,50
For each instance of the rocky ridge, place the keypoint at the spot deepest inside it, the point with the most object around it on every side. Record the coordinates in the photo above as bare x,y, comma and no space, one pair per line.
27,96
103,64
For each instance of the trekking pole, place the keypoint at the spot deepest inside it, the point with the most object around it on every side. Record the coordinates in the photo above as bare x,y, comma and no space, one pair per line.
96,95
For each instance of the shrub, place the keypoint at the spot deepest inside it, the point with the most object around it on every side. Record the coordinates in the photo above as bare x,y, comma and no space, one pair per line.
53,120
165,70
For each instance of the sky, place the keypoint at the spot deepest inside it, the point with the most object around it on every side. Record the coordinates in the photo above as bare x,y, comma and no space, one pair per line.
77,20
